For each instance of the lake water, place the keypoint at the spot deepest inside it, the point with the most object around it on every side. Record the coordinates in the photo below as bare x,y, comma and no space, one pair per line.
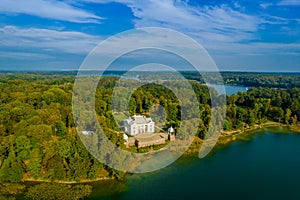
229,89
264,165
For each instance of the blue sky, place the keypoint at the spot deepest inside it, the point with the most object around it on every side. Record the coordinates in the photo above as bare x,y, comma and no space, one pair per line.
240,35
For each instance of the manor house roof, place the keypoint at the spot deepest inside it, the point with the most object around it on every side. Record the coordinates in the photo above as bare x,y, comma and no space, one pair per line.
138,119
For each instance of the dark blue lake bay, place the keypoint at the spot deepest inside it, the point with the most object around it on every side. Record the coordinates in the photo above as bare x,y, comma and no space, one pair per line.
263,165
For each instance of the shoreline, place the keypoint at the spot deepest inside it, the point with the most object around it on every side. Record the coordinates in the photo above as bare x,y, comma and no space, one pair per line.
235,134
65,182
226,138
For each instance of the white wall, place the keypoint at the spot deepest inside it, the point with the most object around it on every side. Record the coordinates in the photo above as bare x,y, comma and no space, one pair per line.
136,129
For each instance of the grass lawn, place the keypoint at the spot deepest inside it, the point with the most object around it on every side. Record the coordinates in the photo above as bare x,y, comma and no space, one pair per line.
120,117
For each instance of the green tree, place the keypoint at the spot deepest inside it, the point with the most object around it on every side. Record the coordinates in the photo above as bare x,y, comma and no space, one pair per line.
294,120
250,119
34,166
60,129
12,170
227,124
58,191
288,114
22,147
2,130
39,132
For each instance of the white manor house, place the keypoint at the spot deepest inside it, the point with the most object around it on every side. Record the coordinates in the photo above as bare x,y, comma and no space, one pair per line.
139,124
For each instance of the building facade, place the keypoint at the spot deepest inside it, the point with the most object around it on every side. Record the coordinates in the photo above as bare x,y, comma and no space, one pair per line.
139,124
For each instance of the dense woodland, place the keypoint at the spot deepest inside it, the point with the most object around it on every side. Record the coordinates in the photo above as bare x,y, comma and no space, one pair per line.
38,139
247,79
252,79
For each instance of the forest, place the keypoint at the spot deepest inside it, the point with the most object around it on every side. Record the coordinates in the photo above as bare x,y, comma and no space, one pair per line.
38,139
252,79
247,79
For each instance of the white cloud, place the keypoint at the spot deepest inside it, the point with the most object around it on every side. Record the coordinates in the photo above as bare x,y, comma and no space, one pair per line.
220,23
289,3
47,40
266,5
221,29
24,56
276,20
217,28
281,3
206,19
51,9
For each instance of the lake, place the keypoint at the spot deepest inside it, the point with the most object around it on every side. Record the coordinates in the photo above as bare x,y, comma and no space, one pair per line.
264,165
229,89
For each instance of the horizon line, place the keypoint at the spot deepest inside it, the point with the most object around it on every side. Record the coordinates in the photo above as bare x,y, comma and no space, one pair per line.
114,70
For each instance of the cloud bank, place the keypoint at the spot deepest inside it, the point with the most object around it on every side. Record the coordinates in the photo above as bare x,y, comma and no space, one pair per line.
56,10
